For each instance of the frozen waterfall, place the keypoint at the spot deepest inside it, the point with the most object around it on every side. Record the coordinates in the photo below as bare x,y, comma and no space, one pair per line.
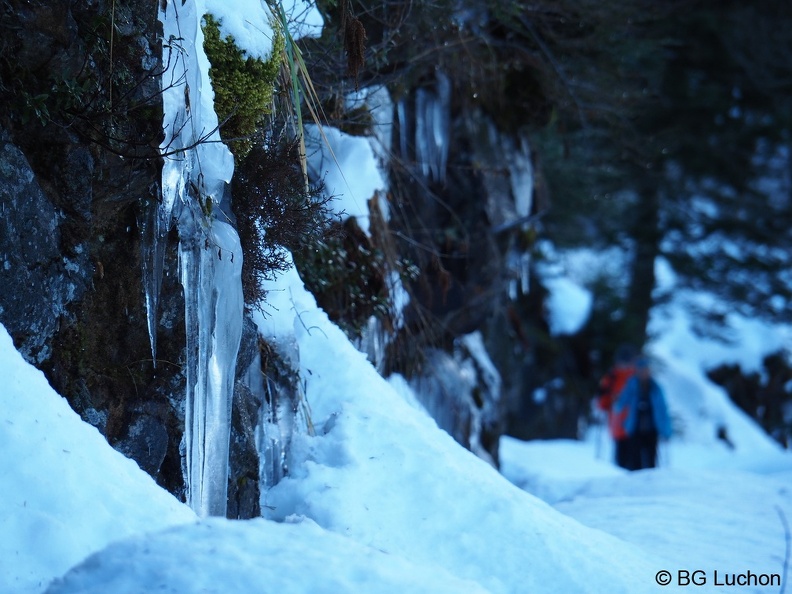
196,170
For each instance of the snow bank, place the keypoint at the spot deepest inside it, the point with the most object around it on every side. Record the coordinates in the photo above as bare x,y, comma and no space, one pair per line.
349,168
254,556
381,472
65,492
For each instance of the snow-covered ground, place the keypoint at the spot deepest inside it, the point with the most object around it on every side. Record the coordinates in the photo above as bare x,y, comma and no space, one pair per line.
381,500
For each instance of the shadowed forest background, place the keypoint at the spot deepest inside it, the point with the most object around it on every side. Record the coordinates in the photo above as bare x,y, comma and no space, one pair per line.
657,131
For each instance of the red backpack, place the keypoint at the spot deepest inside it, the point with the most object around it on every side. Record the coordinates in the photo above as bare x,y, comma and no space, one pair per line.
610,387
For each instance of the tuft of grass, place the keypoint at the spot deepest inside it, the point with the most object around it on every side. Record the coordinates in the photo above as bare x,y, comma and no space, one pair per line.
300,89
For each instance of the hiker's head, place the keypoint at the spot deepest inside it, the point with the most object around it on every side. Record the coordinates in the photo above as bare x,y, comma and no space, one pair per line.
642,369
624,355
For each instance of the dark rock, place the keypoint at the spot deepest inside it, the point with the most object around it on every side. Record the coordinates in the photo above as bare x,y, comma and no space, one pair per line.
44,30
146,442
243,471
37,281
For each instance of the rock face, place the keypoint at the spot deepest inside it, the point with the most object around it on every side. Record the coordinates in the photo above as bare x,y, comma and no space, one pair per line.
37,280
79,169
467,200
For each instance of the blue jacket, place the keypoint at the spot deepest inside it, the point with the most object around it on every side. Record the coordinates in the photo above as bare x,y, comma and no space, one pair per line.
628,400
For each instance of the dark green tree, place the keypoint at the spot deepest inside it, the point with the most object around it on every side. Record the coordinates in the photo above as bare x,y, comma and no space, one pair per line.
675,137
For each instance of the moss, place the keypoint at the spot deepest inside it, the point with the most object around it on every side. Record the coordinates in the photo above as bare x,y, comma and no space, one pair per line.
243,85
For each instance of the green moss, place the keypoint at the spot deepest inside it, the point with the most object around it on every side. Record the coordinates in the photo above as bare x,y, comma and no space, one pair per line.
243,85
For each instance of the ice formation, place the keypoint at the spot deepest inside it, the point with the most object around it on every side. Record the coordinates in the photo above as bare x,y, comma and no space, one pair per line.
430,130
197,169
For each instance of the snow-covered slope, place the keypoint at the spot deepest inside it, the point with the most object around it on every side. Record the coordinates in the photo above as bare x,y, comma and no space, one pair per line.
65,492
380,499
254,556
383,474
380,482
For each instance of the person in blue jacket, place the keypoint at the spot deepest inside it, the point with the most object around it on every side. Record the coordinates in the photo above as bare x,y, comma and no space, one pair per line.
646,419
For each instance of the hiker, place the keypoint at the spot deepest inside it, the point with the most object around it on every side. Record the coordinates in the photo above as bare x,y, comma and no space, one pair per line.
646,417
610,387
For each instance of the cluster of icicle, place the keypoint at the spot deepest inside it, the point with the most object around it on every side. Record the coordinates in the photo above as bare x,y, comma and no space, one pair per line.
425,137
196,171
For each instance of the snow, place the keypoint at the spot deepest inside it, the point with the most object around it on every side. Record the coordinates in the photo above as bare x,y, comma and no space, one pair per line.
66,493
566,276
743,341
259,556
554,470
349,168
717,519
382,482
378,102
303,17
247,21
380,499
568,304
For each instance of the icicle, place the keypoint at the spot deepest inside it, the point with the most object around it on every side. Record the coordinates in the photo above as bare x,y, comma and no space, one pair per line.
461,392
280,418
525,272
195,173
372,341
520,175
423,142
210,271
153,242
441,127
513,266
432,128
401,114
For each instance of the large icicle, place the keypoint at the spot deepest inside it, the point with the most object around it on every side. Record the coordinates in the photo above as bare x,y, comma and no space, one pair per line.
211,278
196,170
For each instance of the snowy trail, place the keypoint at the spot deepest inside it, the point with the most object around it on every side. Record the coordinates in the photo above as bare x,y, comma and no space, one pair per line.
696,520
